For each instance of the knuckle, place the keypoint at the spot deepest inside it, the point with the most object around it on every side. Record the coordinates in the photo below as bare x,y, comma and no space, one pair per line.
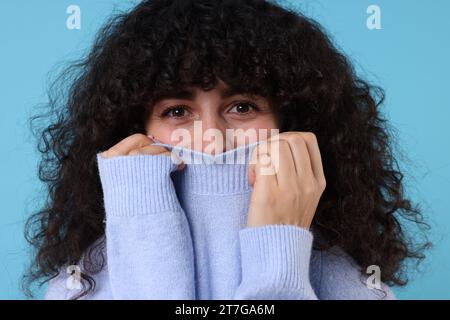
308,189
296,138
139,137
134,152
106,154
310,136
110,153
287,134
322,184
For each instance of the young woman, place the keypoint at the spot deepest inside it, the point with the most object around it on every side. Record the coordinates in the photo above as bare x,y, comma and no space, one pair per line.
131,223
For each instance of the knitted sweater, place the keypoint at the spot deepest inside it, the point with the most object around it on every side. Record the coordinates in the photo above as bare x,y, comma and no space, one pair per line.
183,235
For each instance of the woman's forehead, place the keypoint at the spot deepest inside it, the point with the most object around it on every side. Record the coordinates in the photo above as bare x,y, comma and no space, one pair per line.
191,92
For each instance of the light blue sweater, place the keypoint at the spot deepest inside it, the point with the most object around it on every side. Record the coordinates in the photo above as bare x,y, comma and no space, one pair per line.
183,235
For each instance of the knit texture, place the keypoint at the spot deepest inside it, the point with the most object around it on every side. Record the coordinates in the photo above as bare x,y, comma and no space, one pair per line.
183,235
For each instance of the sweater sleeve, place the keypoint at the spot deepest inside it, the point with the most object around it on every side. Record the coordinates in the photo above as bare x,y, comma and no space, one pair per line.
341,278
148,241
275,263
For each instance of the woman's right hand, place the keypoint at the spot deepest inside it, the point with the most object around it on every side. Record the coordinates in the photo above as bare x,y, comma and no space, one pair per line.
136,144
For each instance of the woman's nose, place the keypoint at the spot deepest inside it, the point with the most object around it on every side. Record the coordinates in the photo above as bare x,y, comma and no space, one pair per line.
213,135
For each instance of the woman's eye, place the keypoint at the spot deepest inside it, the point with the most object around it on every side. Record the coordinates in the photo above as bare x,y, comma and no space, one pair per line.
243,108
175,112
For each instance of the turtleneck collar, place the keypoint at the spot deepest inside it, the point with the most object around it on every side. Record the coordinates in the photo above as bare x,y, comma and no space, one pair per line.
223,173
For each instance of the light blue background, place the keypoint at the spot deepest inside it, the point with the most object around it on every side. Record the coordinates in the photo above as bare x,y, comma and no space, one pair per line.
409,57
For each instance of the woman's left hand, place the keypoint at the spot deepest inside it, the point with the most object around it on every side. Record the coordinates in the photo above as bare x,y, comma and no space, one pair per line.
288,180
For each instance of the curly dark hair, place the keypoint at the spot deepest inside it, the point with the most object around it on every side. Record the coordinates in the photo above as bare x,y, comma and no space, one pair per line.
258,47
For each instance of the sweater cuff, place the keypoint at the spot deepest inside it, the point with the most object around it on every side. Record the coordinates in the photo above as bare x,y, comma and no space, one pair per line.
137,185
278,255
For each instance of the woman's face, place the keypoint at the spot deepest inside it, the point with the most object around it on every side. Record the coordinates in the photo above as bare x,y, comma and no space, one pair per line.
209,121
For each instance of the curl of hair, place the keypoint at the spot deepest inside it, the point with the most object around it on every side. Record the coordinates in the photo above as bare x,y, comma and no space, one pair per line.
255,46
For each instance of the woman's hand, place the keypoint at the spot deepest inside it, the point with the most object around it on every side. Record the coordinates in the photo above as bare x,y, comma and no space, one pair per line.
136,144
290,193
